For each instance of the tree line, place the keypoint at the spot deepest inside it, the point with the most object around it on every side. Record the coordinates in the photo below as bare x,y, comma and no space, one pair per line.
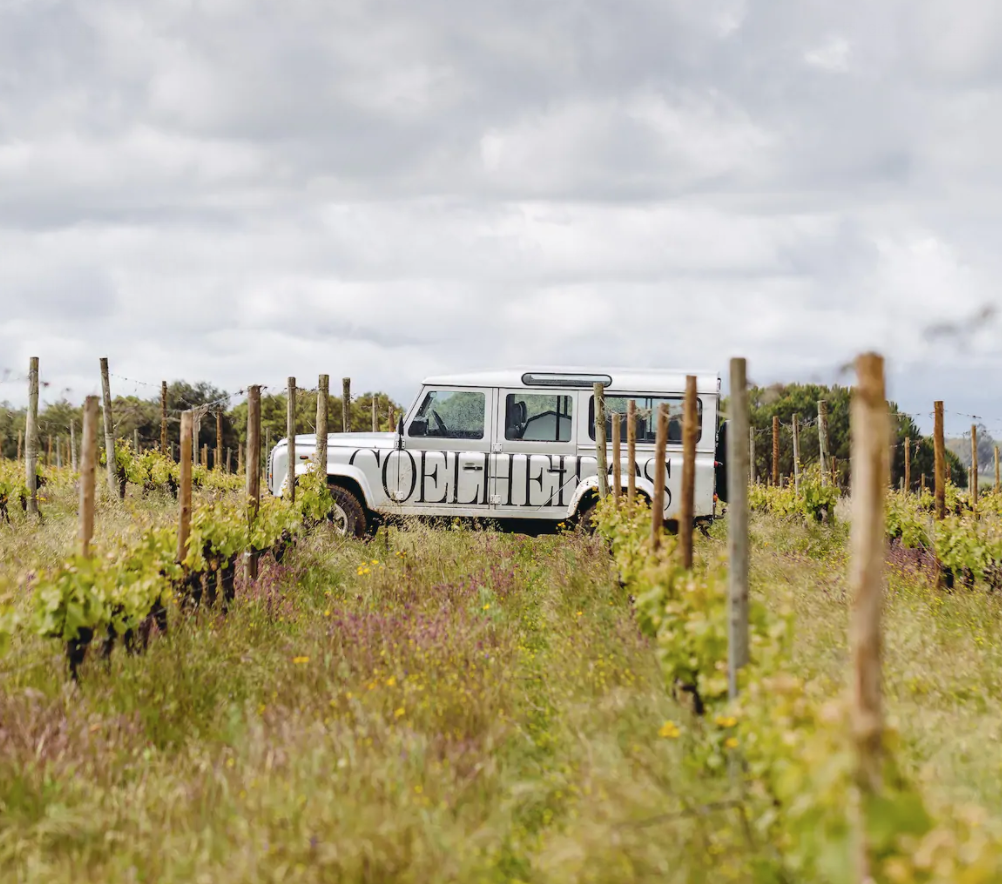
134,414
787,400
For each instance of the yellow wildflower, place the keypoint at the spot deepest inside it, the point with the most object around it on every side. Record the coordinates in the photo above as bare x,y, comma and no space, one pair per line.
669,730
400,712
731,743
300,660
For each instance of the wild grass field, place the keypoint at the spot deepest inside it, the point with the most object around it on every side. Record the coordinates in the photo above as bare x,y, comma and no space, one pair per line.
439,705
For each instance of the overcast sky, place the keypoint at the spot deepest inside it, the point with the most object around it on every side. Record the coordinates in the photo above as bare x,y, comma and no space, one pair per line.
240,190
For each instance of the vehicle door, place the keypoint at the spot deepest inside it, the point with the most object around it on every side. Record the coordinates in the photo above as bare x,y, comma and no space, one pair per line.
647,405
533,467
444,466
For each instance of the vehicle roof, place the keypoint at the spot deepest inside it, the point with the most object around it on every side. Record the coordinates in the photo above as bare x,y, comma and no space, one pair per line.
626,380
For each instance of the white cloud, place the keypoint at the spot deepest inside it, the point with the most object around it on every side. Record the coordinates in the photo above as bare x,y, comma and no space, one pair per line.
239,192
832,55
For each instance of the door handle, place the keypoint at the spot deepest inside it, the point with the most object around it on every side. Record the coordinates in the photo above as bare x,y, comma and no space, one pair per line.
472,466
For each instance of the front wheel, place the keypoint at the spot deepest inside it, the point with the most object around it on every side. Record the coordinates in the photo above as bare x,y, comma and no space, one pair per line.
347,515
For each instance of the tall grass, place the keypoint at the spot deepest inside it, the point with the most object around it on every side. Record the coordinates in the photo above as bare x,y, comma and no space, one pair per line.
449,705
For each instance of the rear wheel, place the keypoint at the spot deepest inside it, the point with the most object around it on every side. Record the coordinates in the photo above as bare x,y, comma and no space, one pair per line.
586,516
348,514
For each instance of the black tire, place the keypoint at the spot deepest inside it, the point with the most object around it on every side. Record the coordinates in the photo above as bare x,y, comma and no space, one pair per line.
586,516
348,515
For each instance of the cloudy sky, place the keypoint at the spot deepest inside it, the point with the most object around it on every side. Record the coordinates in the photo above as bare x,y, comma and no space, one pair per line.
240,190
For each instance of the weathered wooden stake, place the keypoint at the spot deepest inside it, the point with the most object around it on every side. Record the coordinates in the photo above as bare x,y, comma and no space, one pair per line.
392,416
908,465
73,445
601,455
88,475
219,441
690,429
253,466
751,456
48,450
59,451
617,462
658,496
940,460
135,440
229,459
240,459
163,418
205,456
345,405
323,389
375,414
796,453
109,432
737,519
19,436
870,434
290,441
974,467
631,452
996,469
775,449
184,486
823,439
31,438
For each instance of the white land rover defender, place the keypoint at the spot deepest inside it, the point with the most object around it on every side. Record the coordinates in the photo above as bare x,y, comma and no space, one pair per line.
513,444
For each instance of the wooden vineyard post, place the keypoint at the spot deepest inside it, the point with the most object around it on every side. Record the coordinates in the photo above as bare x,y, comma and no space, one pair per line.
974,468
48,450
796,454
240,459
31,438
345,405
601,458
59,451
869,464
184,489
908,465
205,456
658,495
290,437
18,446
690,429
73,446
219,441
737,533
996,469
823,439
109,431
617,463
391,416
751,456
940,460
321,451
163,418
775,449
631,452
375,415
253,467
88,475
229,459
196,433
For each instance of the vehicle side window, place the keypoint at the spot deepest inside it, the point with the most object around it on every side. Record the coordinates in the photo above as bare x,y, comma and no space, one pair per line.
647,417
450,414
535,417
